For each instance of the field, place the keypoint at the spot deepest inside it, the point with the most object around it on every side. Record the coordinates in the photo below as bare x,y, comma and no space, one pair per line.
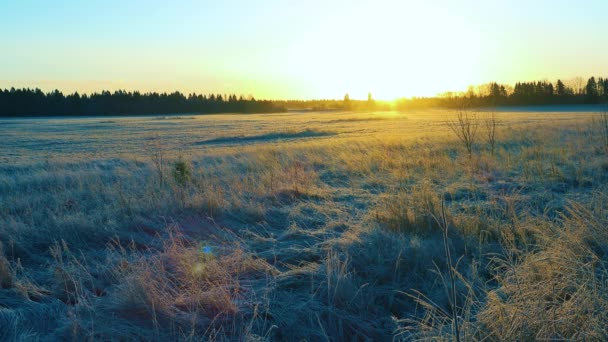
321,226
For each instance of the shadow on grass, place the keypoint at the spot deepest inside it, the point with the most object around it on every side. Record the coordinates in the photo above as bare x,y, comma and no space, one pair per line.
266,137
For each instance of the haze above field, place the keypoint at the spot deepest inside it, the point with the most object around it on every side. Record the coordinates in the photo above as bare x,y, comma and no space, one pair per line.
277,49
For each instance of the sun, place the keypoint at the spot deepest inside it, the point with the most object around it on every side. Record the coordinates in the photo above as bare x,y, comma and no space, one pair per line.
392,54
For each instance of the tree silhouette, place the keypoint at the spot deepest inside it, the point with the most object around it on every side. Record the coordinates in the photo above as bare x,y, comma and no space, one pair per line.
27,102
561,88
591,93
24,102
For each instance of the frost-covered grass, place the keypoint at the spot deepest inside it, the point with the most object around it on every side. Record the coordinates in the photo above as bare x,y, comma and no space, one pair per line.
324,226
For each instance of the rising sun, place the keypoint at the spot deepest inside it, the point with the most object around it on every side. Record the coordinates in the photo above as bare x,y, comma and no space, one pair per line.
395,54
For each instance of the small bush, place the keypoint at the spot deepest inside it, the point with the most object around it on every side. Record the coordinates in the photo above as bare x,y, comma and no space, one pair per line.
181,172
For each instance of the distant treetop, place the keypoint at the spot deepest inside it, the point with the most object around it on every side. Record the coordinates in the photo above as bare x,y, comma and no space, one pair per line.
27,102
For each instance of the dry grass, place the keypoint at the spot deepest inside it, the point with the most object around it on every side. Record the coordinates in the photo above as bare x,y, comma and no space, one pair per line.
318,237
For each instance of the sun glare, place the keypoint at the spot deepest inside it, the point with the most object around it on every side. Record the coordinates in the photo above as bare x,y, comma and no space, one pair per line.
395,54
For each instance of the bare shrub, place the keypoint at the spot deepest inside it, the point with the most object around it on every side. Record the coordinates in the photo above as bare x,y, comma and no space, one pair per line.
156,151
6,273
491,122
465,127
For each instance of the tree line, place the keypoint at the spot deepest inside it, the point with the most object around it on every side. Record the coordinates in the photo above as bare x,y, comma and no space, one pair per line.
28,102
346,104
577,92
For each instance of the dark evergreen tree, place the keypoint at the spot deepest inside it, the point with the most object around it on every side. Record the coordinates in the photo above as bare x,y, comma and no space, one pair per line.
591,93
561,88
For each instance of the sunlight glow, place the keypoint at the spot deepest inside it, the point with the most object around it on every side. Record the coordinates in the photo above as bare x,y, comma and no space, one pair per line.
301,50
395,53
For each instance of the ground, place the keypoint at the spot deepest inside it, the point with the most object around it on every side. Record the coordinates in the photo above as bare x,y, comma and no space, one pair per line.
319,226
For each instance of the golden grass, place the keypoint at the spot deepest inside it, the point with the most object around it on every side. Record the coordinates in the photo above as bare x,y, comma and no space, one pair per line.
312,236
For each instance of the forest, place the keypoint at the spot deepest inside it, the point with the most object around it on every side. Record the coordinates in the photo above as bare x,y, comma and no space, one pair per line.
534,93
35,102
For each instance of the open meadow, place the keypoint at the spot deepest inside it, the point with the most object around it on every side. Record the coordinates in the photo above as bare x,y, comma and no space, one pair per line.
323,226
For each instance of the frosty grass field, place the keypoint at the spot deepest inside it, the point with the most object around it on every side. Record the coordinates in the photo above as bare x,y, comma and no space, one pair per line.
316,225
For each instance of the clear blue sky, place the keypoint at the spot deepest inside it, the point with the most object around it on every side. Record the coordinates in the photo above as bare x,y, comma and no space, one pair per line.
298,49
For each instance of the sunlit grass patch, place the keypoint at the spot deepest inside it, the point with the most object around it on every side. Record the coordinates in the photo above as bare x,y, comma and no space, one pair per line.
280,232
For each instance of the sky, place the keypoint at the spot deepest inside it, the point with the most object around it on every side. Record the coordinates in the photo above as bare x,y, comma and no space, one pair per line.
298,49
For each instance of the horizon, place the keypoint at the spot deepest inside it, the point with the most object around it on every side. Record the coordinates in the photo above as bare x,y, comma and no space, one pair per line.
278,51
478,90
